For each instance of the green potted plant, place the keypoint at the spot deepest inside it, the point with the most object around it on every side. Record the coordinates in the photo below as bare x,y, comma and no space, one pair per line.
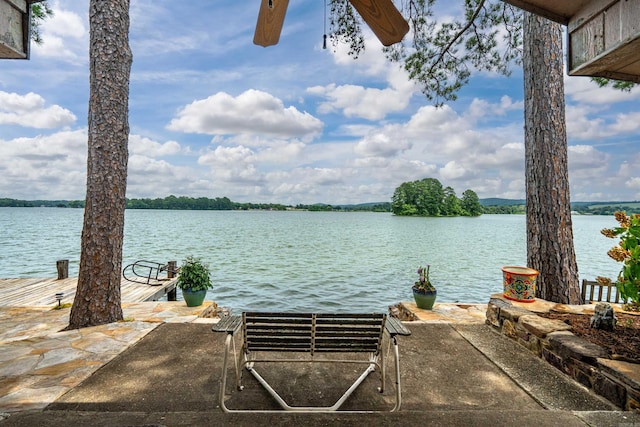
628,253
424,293
194,280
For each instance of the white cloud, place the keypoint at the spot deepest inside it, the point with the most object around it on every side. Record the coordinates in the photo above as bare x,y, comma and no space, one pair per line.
29,111
370,62
369,103
281,152
633,183
45,167
150,177
591,123
429,119
452,170
585,157
482,108
233,156
358,101
252,112
65,35
583,90
149,148
380,144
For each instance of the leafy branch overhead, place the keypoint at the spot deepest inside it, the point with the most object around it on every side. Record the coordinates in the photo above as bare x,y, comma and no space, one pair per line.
440,56
39,12
484,35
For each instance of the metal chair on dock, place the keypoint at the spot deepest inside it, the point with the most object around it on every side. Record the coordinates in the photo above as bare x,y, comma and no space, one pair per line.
145,271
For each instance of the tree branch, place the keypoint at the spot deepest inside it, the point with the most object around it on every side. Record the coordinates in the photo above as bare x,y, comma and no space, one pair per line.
457,36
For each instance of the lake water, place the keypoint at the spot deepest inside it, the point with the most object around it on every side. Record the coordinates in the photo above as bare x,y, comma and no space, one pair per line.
307,261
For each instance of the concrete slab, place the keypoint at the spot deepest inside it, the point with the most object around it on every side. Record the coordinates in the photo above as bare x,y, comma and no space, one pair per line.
177,368
455,373
548,386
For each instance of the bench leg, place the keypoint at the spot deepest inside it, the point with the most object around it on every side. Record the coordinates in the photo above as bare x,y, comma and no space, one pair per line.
370,368
223,383
225,363
383,370
396,354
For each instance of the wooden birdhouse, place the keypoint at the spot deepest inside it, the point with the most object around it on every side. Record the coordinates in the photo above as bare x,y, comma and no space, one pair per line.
603,36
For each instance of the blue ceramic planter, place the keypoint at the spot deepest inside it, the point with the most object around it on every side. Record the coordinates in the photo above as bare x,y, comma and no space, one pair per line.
425,299
194,298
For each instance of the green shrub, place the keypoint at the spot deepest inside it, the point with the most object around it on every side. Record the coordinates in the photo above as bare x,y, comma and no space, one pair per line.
628,253
194,275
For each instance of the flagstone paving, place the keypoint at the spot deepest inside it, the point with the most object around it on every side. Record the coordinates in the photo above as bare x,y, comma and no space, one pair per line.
39,361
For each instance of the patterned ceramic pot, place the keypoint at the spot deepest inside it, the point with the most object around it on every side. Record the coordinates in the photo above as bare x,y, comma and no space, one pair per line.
519,283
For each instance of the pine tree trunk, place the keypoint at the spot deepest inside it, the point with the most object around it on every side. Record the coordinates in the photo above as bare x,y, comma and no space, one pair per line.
97,298
549,233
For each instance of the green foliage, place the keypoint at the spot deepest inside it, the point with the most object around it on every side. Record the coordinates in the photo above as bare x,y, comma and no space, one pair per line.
345,26
504,209
616,84
485,36
628,253
426,197
194,275
14,203
201,203
470,203
183,203
424,283
39,12
452,205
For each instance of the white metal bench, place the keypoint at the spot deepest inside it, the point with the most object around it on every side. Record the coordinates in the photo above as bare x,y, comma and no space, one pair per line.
311,333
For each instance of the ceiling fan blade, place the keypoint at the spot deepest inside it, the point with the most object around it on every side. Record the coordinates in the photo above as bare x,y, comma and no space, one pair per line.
270,20
386,22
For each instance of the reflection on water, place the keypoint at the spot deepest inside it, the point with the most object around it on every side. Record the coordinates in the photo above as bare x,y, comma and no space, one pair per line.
312,261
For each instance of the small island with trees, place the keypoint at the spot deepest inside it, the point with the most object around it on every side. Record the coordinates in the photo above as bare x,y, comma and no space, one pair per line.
427,197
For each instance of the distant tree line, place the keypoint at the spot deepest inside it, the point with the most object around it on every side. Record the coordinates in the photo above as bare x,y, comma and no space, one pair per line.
605,208
427,197
14,203
365,207
504,209
201,203
449,204
581,208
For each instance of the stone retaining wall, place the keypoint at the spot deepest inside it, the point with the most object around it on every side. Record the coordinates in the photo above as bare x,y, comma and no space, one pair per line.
552,340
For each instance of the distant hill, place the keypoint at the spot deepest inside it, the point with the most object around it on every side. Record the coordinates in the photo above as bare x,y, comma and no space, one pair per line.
624,205
514,206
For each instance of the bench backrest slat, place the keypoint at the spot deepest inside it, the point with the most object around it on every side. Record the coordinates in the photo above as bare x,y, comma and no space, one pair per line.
313,332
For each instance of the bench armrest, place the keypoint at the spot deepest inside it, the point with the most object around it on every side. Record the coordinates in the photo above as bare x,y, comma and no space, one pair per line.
395,327
228,324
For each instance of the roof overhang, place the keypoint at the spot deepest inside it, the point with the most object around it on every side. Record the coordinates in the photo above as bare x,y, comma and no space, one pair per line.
15,18
603,36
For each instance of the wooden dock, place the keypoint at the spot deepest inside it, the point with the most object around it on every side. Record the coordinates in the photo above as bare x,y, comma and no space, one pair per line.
42,291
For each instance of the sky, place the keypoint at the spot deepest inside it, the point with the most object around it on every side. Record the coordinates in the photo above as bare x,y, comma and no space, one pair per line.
213,115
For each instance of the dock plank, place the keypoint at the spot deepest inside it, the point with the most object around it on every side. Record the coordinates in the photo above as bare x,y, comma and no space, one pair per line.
42,291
